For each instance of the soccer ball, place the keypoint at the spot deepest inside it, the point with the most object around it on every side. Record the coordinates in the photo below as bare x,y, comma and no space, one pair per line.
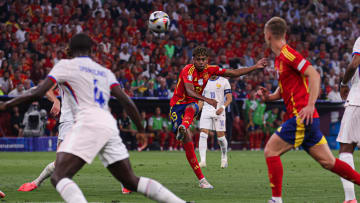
159,22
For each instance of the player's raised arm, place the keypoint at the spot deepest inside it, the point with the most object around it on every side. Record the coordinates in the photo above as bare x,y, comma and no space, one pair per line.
129,106
32,95
314,87
349,73
262,63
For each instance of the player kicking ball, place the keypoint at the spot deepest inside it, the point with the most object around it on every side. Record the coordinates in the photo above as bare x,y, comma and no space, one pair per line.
217,88
299,85
95,130
350,123
183,105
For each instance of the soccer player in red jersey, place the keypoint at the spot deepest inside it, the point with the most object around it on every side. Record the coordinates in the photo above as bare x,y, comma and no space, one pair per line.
191,83
299,85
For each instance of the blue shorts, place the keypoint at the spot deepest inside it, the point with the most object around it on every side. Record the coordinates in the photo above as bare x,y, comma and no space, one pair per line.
176,114
250,128
299,134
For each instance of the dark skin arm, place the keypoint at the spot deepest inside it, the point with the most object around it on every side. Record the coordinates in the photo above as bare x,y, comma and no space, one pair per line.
35,94
350,71
190,90
129,106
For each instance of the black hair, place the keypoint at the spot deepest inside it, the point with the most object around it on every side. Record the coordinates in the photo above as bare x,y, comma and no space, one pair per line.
80,43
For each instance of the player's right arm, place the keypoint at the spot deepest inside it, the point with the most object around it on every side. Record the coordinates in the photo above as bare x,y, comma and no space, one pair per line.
129,106
55,109
190,91
32,95
349,73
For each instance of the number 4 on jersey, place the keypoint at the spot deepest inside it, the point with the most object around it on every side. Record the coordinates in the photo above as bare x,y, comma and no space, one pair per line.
98,95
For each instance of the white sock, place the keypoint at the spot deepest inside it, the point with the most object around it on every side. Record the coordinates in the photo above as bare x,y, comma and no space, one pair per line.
203,146
155,191
70,192
223,147
277,199
347,185
48,170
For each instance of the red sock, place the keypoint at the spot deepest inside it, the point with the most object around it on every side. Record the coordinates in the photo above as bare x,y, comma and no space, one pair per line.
275,171
344,170
191,157
162,139
252,140
188,117
171,139
260,139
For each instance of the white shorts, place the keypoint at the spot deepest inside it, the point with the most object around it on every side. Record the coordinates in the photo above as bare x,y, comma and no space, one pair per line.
350,126
90,137
213,123
64,128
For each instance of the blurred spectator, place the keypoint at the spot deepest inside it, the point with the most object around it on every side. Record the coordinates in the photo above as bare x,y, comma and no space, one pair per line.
157,125
162,91
19,90
5,82
16,122
126,133
34,120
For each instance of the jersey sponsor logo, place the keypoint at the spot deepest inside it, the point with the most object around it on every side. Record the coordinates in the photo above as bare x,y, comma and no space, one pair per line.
189,77
201,82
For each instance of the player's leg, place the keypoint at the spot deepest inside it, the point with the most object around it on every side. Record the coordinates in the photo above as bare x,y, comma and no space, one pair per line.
45,173
220,127
346,155
188,117
203,145
275,147
114,156
322,154
223,147
67,165
347,137
191,157
152,189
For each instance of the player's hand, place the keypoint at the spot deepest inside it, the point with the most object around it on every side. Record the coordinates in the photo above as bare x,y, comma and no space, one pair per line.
263,93
307,114
344,91
262,63
2,106
212,102
55,109
219,111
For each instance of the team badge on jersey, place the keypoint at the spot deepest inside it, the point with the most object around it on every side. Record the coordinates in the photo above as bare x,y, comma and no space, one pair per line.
218,85
190,77
201,82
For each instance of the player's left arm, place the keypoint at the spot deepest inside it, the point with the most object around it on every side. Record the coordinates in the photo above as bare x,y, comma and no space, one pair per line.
262,63
227,103
32,95
314,88
129,106
349,73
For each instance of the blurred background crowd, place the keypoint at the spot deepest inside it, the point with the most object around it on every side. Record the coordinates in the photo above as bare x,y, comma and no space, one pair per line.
34,35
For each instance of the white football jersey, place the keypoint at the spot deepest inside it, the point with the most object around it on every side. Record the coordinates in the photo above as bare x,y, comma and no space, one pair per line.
84,85
354,94
216,89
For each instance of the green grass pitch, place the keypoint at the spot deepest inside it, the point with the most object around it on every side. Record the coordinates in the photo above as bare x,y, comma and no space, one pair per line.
244,181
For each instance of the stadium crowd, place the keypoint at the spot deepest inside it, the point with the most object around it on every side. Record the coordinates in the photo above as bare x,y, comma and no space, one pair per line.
34,34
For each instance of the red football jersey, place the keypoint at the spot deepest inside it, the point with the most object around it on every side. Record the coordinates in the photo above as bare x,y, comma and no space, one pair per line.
189,74
293,84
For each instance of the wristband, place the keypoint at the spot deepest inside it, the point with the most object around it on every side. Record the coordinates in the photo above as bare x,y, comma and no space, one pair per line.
343,85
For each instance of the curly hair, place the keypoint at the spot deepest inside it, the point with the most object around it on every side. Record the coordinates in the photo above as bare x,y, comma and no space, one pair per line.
200,51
